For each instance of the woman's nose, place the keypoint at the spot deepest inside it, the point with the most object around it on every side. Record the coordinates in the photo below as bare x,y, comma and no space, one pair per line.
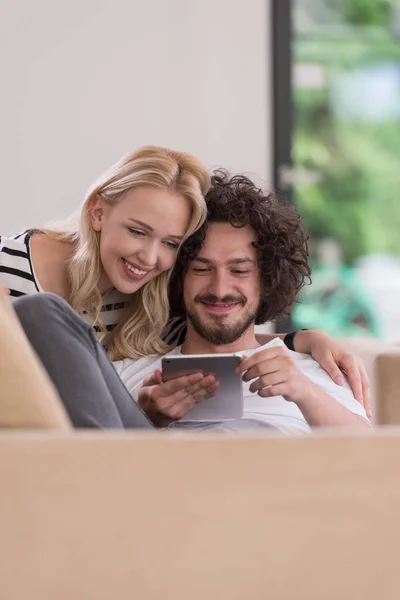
148,254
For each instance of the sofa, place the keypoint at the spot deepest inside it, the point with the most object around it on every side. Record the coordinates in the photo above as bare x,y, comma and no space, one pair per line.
382,362
104,515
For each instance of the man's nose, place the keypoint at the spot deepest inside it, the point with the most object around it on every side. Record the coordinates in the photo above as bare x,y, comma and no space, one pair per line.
219,285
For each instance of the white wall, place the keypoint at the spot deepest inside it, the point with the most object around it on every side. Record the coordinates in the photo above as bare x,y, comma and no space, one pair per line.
85,81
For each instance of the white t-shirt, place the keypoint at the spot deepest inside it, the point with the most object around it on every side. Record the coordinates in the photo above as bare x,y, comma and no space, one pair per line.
275,412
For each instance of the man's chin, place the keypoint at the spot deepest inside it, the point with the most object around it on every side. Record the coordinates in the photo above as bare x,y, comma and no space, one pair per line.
220,329
219,334
208,317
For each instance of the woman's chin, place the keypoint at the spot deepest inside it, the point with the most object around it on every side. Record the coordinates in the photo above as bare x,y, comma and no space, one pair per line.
129,286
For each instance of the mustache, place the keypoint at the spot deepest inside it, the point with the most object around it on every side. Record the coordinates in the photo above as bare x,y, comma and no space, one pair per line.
212,299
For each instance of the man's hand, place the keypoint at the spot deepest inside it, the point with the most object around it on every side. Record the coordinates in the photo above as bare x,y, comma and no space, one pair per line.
169,401
335,358
6,291
275,374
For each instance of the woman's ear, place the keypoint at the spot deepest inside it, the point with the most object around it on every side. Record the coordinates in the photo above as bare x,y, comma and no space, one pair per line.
96,212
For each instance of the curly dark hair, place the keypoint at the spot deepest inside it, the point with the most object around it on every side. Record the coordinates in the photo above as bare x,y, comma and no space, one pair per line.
281,243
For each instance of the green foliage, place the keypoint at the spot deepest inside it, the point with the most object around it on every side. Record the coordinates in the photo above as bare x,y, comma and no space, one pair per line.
366,12
356,162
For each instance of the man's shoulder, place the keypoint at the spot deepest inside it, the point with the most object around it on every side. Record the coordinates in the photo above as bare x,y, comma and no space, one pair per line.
271,344
129,368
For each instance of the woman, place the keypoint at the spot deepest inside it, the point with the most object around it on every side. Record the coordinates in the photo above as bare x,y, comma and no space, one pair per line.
113,267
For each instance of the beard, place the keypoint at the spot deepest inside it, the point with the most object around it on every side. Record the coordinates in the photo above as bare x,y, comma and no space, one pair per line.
219,332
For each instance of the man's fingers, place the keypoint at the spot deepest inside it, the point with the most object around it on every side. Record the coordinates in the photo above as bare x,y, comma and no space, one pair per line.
274,390
267,366
205,393
268,380
204,386
180,383
181,406
197,392
180,409
169,397
248,362
153,379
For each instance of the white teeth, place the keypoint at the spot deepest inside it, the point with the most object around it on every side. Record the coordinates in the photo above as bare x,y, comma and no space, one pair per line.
136,271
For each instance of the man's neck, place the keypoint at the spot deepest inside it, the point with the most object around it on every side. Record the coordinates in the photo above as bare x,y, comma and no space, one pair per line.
195,344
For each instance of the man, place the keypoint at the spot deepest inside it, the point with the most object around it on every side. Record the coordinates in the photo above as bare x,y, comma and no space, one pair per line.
244,267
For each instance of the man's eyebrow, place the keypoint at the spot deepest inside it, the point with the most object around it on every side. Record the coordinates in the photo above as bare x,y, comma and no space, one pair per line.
233,261
149,228
205,261
240,261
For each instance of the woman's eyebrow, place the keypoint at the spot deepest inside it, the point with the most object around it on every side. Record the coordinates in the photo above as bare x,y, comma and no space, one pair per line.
144,225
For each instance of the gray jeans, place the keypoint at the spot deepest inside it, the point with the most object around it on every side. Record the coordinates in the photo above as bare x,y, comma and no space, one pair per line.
90,388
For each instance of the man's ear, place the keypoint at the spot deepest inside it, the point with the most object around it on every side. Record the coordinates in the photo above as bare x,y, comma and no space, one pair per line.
96,212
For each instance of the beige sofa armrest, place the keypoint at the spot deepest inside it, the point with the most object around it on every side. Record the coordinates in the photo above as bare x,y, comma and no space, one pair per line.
27,396
382,362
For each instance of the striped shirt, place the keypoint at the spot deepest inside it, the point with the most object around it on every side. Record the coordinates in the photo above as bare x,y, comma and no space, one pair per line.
18,275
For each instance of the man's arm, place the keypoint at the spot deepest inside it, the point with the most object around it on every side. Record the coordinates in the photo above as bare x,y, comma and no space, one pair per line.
322,410
274,373
334,358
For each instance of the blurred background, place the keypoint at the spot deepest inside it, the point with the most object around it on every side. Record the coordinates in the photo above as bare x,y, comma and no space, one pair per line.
303,95
338,157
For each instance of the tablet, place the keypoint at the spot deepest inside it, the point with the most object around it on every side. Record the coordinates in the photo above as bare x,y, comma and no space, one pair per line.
228,400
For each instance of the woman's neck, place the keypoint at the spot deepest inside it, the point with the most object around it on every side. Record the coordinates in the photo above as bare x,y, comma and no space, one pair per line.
104,284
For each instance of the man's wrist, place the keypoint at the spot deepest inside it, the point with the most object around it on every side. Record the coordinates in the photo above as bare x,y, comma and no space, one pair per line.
313,404
311,396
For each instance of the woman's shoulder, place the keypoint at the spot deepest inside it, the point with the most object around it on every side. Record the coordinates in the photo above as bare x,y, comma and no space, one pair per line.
15,241
16,272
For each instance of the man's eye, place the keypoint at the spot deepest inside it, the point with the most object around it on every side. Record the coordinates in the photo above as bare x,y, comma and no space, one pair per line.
240,272
135,232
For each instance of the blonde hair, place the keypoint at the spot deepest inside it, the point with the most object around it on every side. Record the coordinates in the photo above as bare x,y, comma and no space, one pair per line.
138,334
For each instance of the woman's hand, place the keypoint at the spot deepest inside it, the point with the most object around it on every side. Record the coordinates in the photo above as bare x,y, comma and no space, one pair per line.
335,359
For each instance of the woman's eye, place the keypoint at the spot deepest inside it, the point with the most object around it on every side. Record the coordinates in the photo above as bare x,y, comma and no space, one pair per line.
239,272
172,245
135,232
200,270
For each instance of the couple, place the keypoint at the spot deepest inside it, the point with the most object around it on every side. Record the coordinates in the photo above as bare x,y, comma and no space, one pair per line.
114,269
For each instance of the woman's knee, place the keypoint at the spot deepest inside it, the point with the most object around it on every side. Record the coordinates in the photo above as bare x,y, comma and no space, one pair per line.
39,309
38,304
